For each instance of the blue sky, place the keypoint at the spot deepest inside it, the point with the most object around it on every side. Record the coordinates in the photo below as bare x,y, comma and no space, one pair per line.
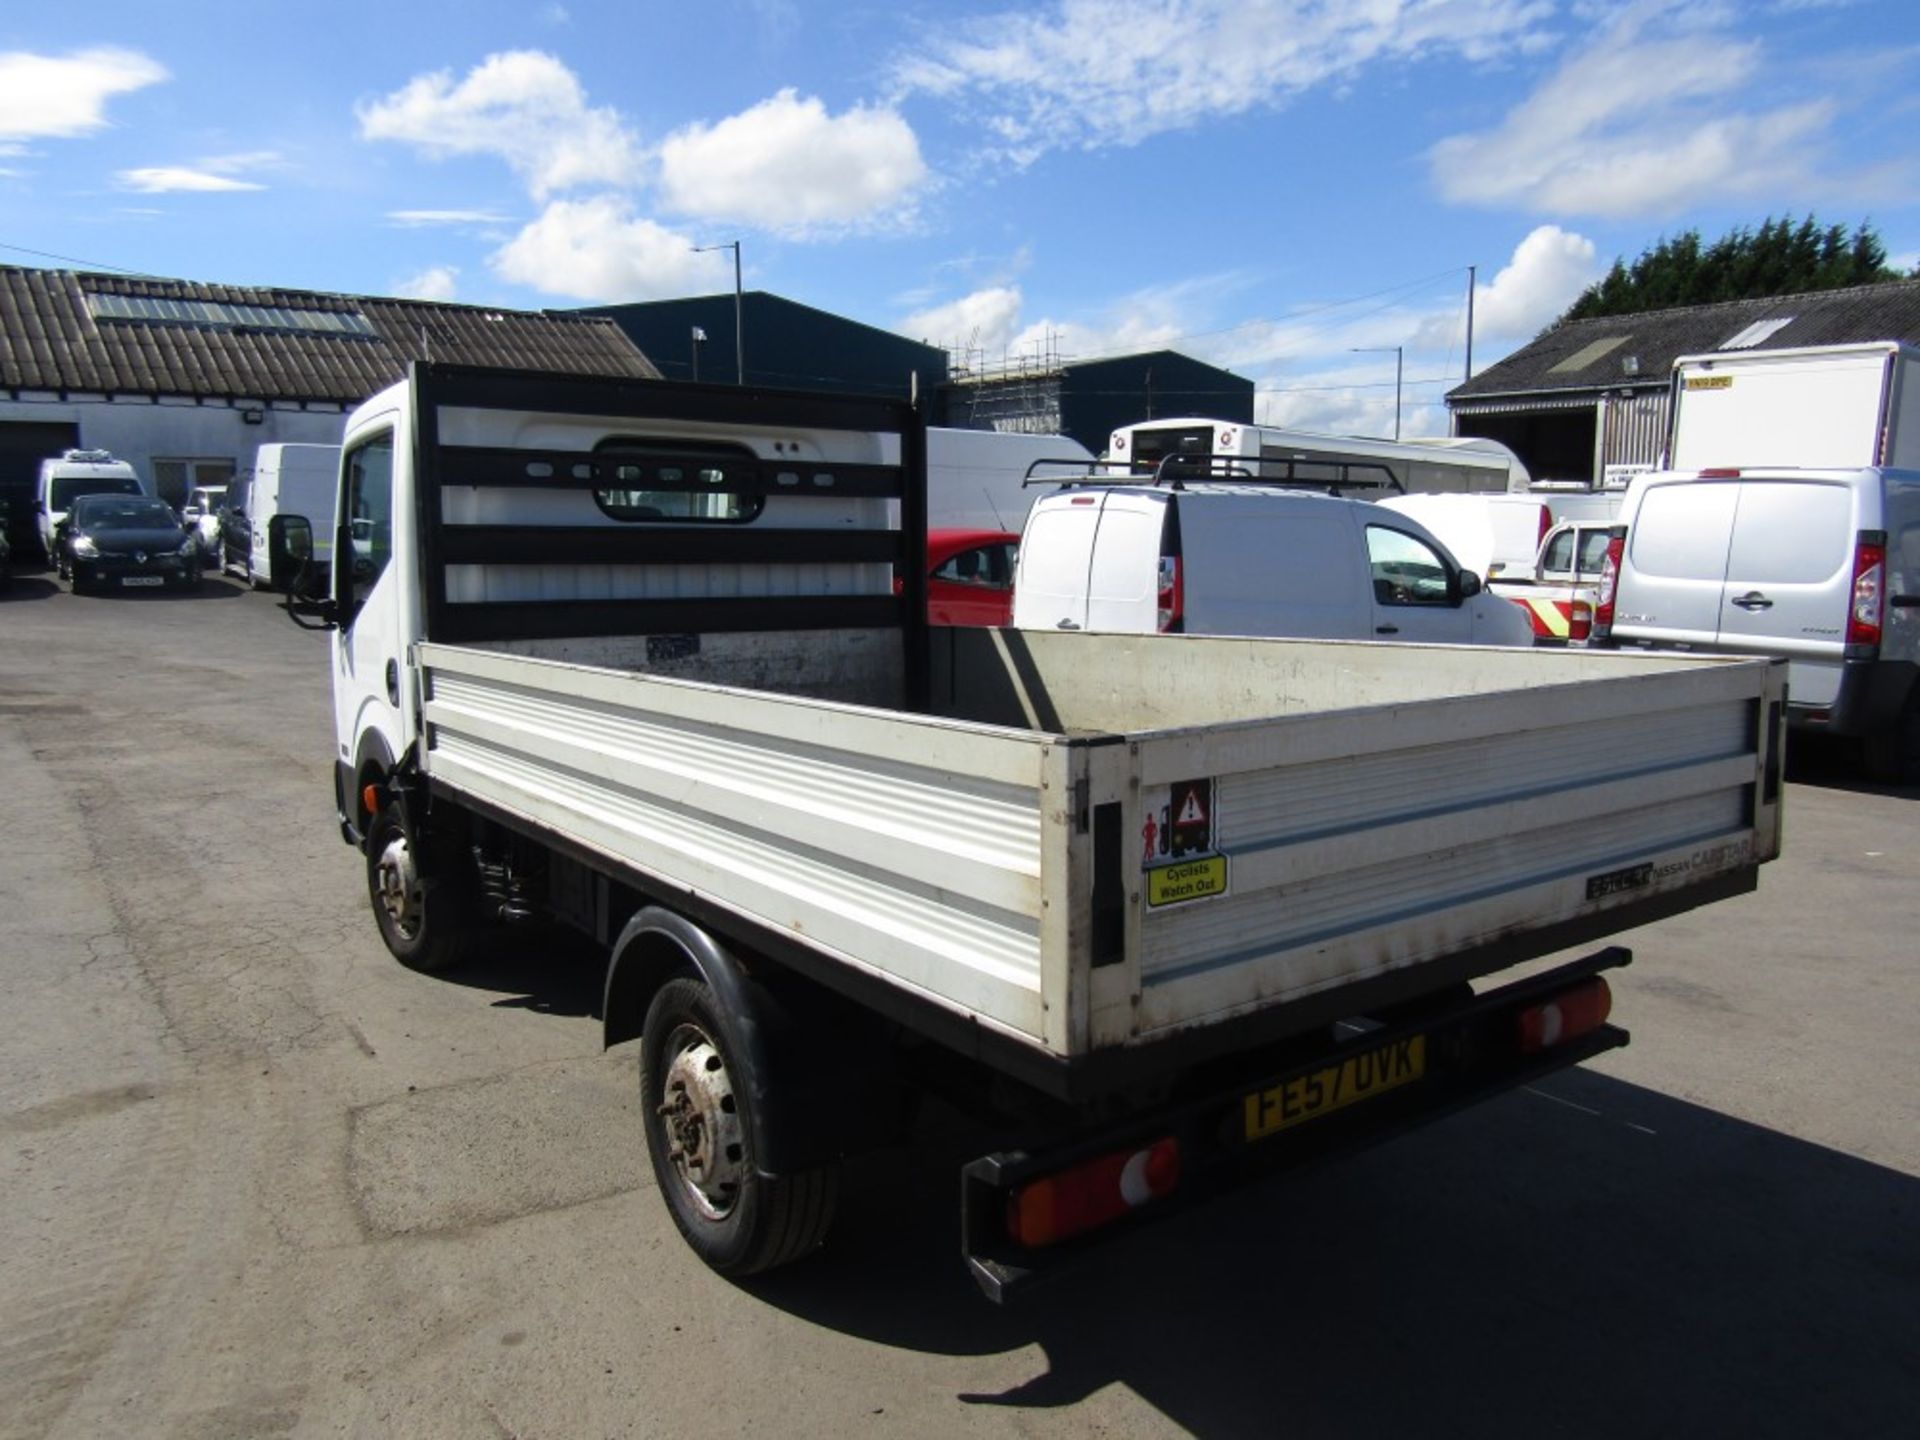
1267,184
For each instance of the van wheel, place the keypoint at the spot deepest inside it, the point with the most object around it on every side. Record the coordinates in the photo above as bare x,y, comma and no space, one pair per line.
696,1104
427,922
1893,754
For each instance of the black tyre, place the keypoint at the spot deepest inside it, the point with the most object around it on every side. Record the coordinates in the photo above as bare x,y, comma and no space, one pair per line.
77,578
695,1095
428,923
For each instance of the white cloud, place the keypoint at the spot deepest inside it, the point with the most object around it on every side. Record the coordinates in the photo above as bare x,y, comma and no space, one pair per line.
985,320
417,219
523,106
215,173
787,165
1086,73
597,249
43,96
166,179
436,282
1635,126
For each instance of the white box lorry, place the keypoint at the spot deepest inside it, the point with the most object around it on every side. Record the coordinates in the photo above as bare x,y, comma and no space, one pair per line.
1826,407
1170,911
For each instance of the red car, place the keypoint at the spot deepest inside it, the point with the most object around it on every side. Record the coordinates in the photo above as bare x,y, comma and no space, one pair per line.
970,577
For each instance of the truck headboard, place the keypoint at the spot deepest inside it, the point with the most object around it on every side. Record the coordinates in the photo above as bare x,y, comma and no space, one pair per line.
560,506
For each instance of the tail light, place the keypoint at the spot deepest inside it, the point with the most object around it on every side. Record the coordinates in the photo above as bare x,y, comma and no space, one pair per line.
1097,1192
1569,1015
1609,585
1173,595
1869,592
1546,524
1579,622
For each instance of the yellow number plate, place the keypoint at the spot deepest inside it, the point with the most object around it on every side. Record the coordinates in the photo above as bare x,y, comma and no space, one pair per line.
1307,1097
1187,880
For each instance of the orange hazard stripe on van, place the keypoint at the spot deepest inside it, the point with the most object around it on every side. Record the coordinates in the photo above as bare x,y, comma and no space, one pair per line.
1552,619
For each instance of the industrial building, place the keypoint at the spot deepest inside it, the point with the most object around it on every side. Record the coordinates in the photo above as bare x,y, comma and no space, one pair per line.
1591,400
794,346
787,345
186,380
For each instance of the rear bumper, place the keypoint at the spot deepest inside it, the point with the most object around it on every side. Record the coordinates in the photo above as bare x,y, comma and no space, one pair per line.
1473,1054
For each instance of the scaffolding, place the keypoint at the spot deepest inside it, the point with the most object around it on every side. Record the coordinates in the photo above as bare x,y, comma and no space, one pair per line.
1017,394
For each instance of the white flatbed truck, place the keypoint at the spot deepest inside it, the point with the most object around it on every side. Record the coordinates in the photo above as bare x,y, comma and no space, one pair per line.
1172,911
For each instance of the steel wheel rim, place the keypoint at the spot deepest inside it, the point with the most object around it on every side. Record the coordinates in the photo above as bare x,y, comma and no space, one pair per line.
706,1144
397,887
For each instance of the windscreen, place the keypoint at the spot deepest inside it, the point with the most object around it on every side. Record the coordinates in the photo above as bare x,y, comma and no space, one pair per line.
66,489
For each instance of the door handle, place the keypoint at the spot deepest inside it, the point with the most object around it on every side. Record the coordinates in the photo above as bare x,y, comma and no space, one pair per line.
1065,625
1753,600
1386,629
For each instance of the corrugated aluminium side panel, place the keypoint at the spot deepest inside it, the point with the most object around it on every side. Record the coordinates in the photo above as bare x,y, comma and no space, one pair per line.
909,848
1374,841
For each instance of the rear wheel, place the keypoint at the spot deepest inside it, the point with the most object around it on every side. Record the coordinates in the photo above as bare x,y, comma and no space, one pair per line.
427,921
696,1094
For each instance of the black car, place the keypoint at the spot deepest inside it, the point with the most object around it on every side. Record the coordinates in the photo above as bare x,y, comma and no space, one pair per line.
126,541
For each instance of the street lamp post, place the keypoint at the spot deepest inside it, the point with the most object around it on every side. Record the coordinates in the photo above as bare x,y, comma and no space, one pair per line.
699,338
1399,359
739,327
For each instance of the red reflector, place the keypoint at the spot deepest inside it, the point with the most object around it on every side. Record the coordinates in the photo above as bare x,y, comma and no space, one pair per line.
1172,602
1869,592
1609,586
1722,473
1569,1015
1091,1194
1580,621
370,799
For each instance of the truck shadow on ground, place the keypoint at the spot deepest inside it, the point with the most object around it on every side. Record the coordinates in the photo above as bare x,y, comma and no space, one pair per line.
547,969
1596,1260
28,587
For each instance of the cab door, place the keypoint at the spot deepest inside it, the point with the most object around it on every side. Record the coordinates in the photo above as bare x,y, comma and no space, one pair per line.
371,709
1416,589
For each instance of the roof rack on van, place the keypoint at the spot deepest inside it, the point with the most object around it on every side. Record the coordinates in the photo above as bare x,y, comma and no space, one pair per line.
1175,470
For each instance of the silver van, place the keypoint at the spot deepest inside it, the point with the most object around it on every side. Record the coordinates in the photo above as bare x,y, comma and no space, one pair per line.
1819,567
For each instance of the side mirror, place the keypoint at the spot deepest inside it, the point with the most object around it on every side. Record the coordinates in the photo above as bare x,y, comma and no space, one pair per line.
1470,585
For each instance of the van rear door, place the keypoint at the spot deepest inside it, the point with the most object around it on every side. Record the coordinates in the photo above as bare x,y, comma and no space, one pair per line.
1676,563
1056,552
1789,579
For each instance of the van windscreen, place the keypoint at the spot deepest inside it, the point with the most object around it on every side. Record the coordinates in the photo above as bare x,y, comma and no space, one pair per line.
65,489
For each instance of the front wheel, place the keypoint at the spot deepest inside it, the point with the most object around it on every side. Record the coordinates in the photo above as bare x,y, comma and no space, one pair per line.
696,1094
422,918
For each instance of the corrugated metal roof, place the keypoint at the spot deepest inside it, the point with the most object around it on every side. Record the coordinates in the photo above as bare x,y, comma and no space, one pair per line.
1576,357
51,340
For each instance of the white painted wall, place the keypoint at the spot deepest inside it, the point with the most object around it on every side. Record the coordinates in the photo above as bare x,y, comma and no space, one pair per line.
139,430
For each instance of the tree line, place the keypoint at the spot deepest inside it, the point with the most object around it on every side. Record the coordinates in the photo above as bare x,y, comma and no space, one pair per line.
1777,258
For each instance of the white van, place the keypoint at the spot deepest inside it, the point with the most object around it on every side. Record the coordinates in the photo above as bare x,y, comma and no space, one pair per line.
286,480
1819,567
976,479
1218,558
67,477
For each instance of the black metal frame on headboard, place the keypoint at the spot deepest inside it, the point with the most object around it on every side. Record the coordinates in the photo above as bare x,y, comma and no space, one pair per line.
441,545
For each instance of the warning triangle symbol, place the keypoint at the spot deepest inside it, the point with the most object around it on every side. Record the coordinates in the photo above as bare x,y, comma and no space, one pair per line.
1190,811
